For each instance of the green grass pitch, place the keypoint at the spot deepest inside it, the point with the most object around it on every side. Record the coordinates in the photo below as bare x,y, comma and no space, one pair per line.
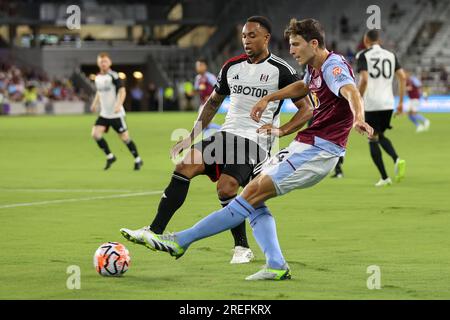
329,234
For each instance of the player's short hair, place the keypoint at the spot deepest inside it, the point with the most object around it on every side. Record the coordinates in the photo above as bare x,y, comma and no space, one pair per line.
263,21
373,35
202,60
103,55
308,29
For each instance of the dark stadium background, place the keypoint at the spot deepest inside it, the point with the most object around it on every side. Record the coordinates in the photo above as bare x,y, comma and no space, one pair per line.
163,38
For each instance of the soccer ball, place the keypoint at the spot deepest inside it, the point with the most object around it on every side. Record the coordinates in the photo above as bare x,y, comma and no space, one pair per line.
111,259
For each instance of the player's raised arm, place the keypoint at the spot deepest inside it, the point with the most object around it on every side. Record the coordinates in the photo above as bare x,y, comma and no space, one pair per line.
209,110
351,94
300,118
294,90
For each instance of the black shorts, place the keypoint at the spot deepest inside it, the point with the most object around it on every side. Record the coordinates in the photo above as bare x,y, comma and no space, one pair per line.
230,154
379,120
118,124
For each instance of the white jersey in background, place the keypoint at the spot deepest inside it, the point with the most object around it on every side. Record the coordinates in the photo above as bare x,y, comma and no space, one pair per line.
246,83
108,85
381,65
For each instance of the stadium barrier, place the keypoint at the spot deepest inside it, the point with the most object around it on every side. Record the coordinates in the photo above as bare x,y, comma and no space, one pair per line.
435,103
57,107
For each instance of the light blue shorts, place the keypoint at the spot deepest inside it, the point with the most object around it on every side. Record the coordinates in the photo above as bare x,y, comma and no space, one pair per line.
302,165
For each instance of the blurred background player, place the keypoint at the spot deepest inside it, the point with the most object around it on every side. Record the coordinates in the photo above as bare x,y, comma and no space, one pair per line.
376,67
413,87
204,86
110,96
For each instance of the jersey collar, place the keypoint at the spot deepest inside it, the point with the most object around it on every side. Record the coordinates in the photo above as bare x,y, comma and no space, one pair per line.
270,54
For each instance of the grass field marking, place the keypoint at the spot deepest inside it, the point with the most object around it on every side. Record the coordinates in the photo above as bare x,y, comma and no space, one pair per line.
114,196
67,190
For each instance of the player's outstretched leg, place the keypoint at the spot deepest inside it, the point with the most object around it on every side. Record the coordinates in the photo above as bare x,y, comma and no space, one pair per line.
227,188
226,218
172,198
265,233
176,192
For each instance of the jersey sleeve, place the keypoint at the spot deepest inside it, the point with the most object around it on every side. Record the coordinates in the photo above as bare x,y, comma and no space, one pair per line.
221,86
361,63
336,75
211,78
197,82
416,82
397,63
287,77
118,83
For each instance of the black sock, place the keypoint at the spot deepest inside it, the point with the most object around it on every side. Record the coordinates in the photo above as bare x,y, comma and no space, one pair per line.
103,145
338,168
239,234
387,146
132,147
375,152
172,199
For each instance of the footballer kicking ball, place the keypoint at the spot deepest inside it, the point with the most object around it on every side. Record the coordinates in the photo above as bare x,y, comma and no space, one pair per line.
111,259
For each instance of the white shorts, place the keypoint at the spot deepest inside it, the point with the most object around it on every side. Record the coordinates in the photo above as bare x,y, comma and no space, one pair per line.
413,105
302,165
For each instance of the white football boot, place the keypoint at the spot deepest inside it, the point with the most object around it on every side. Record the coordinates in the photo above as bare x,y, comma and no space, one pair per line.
136,236
242,255
384,182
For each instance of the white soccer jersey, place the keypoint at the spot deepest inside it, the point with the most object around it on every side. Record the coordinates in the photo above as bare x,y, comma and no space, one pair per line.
246,83
381,65
107,86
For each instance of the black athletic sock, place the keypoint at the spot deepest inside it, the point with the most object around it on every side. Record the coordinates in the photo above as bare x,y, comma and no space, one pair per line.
132,147
238,232
338,168
375,152
172,199
103,145
386,144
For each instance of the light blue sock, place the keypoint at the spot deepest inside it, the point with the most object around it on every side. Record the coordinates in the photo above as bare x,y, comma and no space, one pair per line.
265,233
420,118
413,118
229,217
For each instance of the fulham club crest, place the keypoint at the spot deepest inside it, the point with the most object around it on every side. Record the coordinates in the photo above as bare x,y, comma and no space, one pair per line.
264,77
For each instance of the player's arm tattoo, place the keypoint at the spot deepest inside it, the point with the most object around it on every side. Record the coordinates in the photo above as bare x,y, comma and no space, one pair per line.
209,110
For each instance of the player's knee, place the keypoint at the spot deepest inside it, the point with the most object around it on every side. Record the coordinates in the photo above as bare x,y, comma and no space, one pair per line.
251,189
227,188
125,137
96,135
188,170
